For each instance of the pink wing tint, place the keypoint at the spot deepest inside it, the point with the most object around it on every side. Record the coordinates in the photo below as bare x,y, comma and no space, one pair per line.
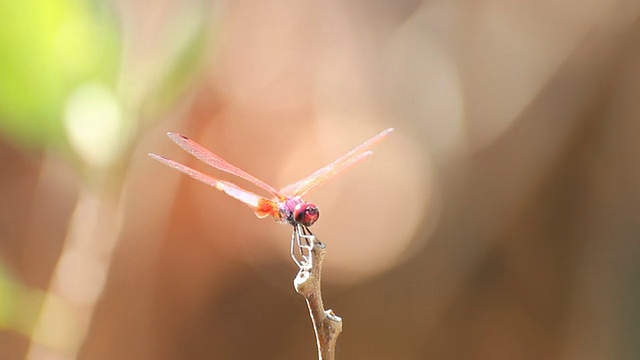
260,205
217,162
317,178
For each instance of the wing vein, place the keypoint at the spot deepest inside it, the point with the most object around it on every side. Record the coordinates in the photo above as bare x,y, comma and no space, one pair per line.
217,162
320,176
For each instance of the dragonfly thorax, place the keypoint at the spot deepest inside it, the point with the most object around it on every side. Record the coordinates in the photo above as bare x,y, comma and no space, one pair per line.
295,211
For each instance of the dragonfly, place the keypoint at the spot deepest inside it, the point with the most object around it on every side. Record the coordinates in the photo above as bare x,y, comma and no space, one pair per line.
285,205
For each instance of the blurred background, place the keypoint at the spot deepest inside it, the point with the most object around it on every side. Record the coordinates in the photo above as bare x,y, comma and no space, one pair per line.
498,221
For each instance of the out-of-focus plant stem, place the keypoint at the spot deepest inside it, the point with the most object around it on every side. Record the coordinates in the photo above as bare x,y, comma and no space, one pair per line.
80,275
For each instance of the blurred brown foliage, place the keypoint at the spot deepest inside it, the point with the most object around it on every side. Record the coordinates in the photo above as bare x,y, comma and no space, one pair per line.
499,221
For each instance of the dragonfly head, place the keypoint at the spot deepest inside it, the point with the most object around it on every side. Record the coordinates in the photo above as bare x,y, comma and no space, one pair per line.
306,213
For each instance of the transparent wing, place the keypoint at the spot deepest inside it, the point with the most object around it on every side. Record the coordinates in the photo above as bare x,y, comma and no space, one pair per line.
260,205
347,160
217,162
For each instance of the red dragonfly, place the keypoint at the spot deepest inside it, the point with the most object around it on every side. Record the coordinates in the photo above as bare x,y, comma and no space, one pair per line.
286,206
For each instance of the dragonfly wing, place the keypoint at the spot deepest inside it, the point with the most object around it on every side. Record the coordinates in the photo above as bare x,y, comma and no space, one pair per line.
320,176
260,205
217,162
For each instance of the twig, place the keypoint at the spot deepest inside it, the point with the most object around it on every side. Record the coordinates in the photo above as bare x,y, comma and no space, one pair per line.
326,325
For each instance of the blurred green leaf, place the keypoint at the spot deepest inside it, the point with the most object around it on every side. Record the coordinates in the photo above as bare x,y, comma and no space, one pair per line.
19,305
48,47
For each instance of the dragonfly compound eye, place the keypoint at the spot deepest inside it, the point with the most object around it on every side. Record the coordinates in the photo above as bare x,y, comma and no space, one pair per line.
306,214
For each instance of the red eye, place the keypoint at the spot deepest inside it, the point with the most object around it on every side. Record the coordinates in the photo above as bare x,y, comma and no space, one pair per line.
306,214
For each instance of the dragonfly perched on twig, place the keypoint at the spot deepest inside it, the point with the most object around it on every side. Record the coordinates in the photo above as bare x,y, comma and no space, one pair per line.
286,206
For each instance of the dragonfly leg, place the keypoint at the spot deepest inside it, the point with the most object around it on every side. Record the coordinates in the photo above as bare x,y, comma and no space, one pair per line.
301,243
295,240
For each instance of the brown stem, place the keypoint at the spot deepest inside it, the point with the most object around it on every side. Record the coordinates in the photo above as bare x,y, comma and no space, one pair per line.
326,325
